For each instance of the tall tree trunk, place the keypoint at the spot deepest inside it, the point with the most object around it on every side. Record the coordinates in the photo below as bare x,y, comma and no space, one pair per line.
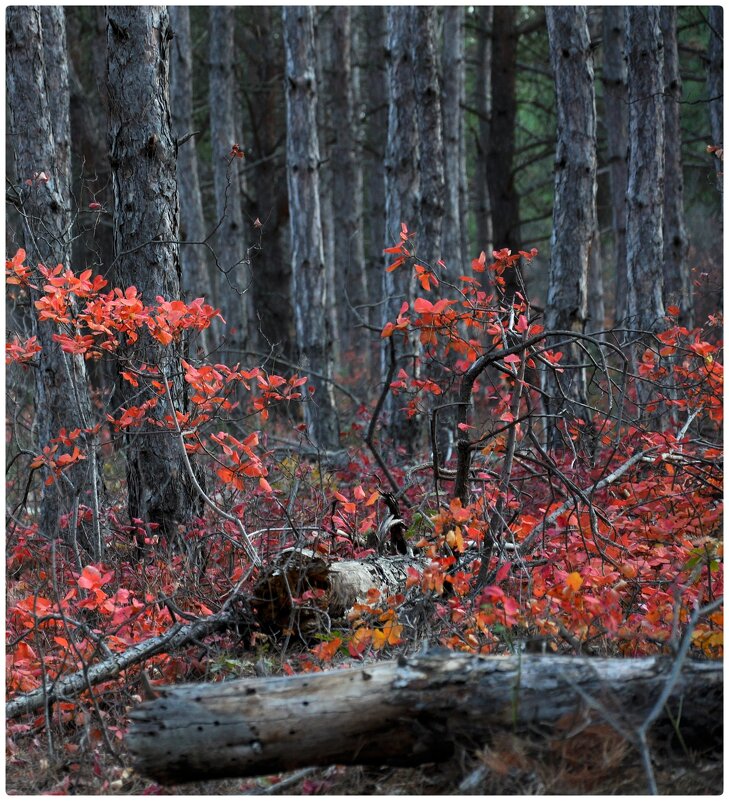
430,133
615,89
482,194
347,176
373,68
574,216
231,246
146,226
455,220
313,327
39,133
715,80
500,160
644,222
326,118
266,113
402,199
196,278
595,286
677,289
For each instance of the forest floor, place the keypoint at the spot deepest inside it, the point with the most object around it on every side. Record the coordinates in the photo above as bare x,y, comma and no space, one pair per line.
594,761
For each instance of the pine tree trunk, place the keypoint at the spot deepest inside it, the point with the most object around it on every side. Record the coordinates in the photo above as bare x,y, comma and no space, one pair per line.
715,81
39,135
267,120
574,217
429,227
615,89
146,229
482,104
455,219
196,277
677,288
500,159
402,201
644,222
309,290
231,246
347,179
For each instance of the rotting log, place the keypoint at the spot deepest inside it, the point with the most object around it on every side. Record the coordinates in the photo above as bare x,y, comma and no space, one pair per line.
408,712
337,586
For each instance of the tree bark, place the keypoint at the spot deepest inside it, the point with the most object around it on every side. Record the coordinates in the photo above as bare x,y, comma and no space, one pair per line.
429,225
402,200
309,290
574,219
677,288
500,160
615,91
407,712
715,81
644,222
455,218
347,179
342,584
194,260
234,274
265,102
39,135
481,193
146,217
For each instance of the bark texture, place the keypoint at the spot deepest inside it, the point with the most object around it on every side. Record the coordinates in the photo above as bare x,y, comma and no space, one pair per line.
574,219
429,226
143,157
347,178
677,287
309,290
233,276
39,136
342,584
644,221
407,712
402,196
715,80
615,92
482,89
194,260
453,98
500,160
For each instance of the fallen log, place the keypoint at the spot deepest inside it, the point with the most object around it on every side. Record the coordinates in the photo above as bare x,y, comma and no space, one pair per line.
406,712
280,594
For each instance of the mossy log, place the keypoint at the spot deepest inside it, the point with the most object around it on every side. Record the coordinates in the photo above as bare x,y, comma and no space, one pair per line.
408,712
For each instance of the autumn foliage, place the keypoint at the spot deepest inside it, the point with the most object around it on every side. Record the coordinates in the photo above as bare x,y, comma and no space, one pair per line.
605,544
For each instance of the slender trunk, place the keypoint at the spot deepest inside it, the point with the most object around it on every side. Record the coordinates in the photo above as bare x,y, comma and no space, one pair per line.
715,81
482,195
644,222
196,278
454,149
430,134
372,58
615,89
595,286
500,159
231,246
266,116
309,291
677,289
146,228
402,200
39,135
347,176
